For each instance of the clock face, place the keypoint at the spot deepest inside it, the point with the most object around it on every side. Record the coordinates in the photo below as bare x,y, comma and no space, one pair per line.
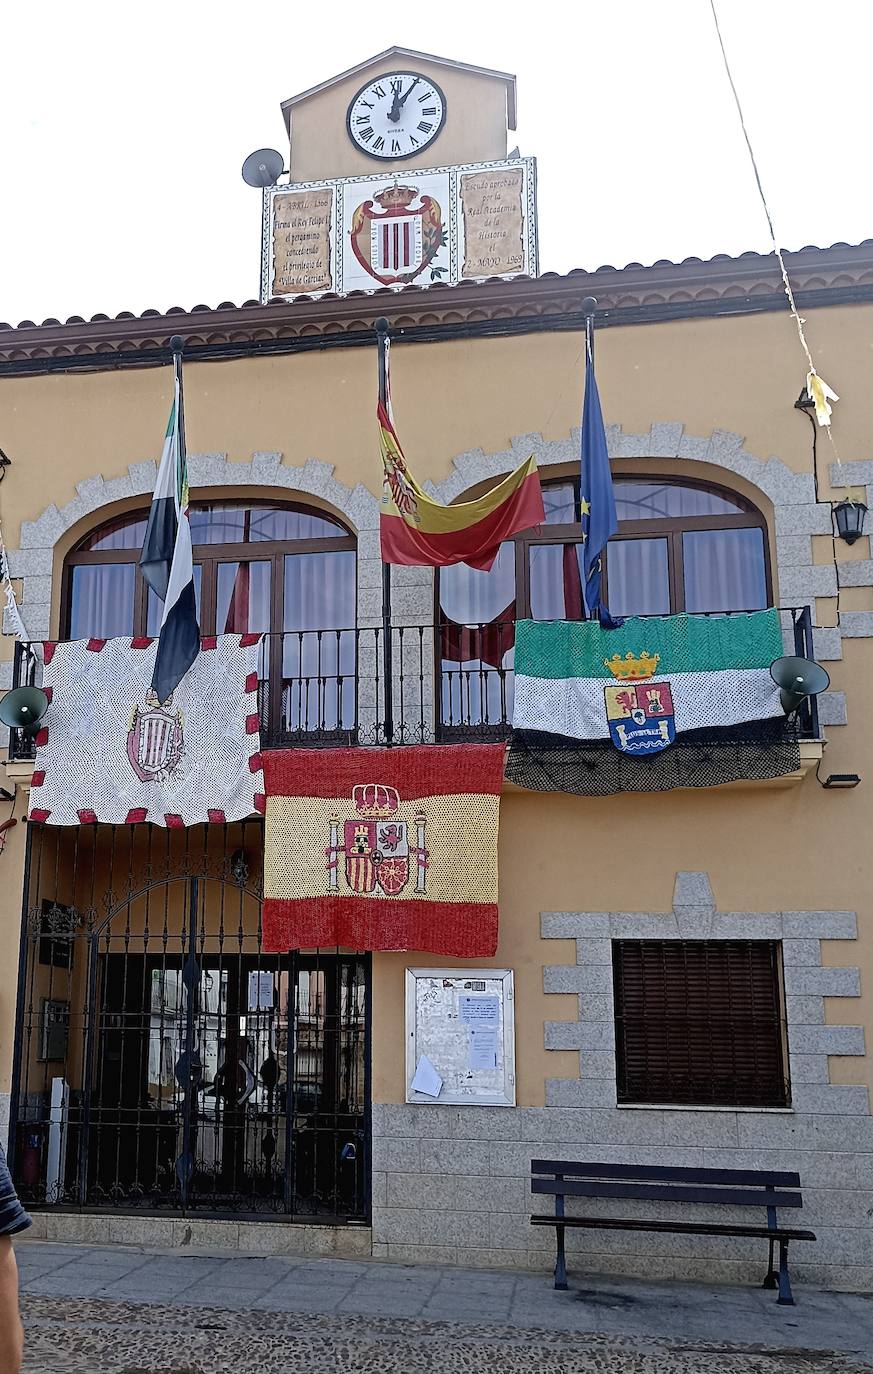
396,116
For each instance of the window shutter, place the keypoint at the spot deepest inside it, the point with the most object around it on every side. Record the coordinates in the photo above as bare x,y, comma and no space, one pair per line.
699,1021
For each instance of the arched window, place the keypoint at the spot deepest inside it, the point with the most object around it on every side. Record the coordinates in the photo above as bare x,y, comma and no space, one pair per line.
680,546
286,571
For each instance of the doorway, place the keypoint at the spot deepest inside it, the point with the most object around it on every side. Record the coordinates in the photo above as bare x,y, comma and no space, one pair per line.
184,1069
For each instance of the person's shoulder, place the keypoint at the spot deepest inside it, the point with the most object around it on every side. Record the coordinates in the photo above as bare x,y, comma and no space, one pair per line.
13,1217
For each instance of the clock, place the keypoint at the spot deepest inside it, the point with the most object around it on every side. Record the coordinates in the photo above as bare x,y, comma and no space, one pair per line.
396,116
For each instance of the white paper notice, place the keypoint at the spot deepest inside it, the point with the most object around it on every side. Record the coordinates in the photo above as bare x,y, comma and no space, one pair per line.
482,1012
260,991
483,1048
426,1079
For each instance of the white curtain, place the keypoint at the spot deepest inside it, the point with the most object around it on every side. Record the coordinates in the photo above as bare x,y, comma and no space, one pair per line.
101,602
724,570
477,617
319,650
242,598
637,577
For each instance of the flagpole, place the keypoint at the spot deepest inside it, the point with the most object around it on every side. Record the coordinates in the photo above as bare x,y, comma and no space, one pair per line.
589,305
381,327
177,343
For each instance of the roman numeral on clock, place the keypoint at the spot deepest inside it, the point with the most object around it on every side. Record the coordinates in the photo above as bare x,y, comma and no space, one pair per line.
395,146
362,119
428,95
367,134
379,143
425,127
431,110
379,91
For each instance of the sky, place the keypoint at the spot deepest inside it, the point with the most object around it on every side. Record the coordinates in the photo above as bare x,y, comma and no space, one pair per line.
123,128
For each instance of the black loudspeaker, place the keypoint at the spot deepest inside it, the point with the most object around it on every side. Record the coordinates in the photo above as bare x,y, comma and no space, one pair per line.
798,679
23,708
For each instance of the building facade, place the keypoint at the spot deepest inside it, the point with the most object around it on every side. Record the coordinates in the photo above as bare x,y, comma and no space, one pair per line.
735,916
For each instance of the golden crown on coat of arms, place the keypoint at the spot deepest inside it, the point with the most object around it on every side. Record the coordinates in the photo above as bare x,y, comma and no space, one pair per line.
396,195
631,668
374,799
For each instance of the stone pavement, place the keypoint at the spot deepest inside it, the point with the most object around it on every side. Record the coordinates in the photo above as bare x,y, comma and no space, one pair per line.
125,1310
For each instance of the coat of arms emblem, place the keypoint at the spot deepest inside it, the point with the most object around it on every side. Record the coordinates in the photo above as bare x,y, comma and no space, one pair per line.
155,742
395,242
376,845
639,712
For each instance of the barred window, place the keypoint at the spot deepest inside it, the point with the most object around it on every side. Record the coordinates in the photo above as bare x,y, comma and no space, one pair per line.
700,1022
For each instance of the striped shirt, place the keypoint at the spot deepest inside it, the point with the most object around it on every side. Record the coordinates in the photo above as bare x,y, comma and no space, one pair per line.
13,1217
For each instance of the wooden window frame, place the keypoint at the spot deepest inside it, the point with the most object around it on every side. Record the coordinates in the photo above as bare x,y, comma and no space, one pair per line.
208,557
671,528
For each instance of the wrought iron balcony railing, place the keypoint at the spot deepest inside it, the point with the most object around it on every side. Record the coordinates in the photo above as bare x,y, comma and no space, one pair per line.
448,683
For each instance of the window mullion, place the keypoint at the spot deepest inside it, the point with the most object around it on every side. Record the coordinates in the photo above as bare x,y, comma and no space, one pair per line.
677,571
208,577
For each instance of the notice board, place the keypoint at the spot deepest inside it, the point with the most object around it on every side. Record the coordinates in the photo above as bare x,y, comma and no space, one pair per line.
460,1037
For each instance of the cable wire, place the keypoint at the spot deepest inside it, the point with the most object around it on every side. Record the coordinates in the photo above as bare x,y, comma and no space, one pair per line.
798,320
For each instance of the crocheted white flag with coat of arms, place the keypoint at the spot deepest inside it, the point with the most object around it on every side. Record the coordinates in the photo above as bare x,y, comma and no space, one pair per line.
110,751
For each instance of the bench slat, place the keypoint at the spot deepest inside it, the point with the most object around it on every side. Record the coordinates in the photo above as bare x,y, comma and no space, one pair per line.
699,1228
657,1174
666,1192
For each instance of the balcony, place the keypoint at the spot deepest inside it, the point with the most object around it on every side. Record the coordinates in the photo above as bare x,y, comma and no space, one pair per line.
447,684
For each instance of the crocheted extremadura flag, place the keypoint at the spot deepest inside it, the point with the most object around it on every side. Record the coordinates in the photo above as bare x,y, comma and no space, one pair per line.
678,701
383,849
111,750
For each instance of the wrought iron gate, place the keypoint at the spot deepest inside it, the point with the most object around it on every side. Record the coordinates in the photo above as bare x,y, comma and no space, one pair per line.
163,1059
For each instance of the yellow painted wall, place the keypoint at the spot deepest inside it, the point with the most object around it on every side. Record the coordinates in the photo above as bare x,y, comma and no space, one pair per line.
741,374
474,130
765,848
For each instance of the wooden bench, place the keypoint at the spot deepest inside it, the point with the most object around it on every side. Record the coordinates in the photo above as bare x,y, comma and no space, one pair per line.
645,1183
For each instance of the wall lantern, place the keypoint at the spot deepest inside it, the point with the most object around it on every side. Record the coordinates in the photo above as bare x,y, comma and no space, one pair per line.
849,516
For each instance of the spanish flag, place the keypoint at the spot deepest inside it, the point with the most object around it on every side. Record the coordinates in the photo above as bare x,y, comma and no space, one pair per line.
420,532
383,849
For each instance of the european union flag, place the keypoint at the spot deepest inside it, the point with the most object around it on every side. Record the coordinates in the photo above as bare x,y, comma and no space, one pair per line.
598,499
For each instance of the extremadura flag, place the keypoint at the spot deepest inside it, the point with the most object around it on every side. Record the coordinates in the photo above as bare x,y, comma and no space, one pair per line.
678,701
167,560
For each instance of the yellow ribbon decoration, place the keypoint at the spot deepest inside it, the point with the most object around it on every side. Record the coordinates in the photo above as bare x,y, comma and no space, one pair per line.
821,395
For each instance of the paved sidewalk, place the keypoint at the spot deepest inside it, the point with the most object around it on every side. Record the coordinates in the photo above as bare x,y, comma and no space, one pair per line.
126,1310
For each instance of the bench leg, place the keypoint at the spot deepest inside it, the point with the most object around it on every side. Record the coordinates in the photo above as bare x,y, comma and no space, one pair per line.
561,1261
770,1280
785,1298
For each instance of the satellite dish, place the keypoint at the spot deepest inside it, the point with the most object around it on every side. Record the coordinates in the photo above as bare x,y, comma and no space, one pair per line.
798,679
263,167
24,708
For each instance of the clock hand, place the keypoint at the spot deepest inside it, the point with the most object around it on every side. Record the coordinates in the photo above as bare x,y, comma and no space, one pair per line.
404,98
394,112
